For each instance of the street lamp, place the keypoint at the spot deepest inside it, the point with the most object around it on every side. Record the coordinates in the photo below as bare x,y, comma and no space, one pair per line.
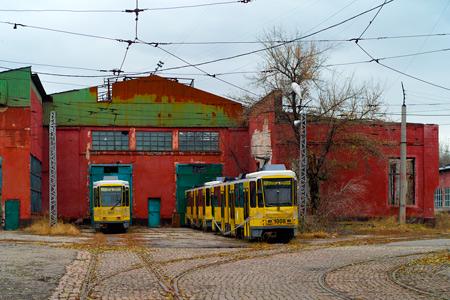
303,158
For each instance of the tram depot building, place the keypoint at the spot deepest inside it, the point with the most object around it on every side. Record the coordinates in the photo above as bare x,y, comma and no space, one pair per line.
164,137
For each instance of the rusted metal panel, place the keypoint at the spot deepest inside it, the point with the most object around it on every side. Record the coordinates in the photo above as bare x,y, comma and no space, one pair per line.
151,101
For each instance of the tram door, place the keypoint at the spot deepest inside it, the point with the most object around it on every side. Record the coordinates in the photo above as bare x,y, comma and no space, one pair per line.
222,207
231,206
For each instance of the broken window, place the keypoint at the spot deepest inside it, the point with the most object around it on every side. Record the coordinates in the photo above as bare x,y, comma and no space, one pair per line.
198,141
110,140
394,182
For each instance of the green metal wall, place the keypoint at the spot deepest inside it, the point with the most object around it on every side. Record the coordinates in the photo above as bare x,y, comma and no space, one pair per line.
15,87
156,102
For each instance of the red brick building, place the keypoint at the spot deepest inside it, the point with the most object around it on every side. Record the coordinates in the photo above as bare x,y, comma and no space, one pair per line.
372,179
164,137
21,137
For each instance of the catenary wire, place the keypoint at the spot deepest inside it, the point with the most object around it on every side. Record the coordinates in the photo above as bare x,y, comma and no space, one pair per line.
212,61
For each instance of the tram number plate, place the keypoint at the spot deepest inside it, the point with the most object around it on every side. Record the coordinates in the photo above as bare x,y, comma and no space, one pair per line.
279,221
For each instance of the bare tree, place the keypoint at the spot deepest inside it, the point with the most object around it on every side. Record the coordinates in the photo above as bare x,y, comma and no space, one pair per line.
334,105
444,155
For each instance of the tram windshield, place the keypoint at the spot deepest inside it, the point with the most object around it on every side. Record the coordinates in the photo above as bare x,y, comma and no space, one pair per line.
111,196
277,192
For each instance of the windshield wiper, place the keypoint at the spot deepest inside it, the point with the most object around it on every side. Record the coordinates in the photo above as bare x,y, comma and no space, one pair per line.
117,203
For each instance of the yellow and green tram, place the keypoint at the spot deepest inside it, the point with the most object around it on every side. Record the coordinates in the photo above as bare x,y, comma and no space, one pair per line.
261,206
111,204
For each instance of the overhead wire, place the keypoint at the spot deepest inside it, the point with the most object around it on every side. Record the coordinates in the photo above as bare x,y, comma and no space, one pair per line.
124,11
203,71
373,59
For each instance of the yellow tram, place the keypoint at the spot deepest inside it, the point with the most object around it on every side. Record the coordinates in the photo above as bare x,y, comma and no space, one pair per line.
111,204
263,205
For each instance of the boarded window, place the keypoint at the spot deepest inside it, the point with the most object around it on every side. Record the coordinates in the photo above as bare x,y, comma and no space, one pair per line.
438,198
36,185
153,141
394,182
110,140
198,141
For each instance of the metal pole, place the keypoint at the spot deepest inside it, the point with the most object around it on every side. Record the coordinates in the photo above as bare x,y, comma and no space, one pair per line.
403,182
303,160
303,163
52,207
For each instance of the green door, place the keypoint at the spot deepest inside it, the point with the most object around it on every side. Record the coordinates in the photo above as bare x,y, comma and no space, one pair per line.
154,208
12,210
192,175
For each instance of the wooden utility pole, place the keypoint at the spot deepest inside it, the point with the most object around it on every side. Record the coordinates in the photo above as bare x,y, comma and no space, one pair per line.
403,182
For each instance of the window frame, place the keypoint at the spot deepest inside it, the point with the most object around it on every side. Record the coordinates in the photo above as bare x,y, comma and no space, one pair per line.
446,200
394,182
154,141
115,140
438,198
198,141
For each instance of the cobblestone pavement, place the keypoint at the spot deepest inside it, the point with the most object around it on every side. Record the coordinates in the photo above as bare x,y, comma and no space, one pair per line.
31,271
429,277
186,264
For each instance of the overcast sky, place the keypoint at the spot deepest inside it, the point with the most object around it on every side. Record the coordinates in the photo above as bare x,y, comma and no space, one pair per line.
236,22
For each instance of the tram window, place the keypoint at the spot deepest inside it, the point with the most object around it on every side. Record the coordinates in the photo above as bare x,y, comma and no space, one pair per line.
200,198
260,194
208,197
217,196
252,194
241,195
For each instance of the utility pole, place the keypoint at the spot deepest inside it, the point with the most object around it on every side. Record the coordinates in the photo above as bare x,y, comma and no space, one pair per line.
403,182
52,208
303,160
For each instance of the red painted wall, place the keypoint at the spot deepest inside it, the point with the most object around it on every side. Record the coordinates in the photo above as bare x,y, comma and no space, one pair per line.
444,179
36,127
153,174
369,172
15,152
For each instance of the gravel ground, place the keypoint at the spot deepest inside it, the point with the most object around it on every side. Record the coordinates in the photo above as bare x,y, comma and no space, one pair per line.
31,271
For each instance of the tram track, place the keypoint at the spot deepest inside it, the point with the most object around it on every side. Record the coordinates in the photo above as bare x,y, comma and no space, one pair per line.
169,274
341,295
394,278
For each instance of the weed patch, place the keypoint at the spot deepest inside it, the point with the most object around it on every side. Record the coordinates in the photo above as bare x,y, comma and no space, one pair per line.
42,227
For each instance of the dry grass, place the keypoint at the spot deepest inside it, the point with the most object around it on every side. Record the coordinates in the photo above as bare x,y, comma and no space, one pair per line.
314,235
42,227
390,226
443,221
442,258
